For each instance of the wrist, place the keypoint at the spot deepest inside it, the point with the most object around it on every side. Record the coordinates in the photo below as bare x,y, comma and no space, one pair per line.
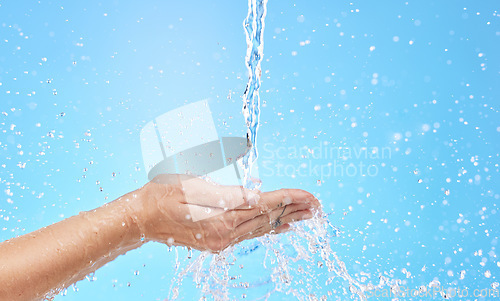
126,213
149,210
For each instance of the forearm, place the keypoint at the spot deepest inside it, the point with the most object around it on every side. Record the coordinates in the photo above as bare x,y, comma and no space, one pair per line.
54,257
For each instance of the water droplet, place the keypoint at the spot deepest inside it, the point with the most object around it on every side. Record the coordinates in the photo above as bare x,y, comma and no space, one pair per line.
91,277
434,283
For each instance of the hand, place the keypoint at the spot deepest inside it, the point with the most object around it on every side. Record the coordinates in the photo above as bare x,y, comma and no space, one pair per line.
189,211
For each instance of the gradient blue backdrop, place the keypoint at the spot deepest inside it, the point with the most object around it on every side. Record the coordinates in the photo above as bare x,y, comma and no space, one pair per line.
418,79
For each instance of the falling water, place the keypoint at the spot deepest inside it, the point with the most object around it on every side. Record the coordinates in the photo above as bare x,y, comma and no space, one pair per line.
254,30
212,272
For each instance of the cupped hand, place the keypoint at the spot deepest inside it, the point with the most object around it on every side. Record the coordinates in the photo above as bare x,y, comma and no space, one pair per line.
189,211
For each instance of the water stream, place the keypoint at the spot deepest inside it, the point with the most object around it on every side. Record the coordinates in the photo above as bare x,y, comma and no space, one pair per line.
214,278
254,30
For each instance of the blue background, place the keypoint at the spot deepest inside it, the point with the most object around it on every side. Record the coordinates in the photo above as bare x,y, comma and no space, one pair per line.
78,80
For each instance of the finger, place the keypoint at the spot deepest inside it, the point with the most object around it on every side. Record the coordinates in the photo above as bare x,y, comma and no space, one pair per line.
265,230
261,232
278,212
274,199
279,198
290,218
234,218
265,222
258,233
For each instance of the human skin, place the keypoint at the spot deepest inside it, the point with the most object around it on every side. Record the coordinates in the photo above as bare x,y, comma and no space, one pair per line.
45,261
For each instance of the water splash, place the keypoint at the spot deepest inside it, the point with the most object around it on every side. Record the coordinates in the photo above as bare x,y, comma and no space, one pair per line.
283,256
317,232
254,30
301,264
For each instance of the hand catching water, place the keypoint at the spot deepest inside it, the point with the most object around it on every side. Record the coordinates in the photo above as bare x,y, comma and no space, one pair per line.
189,211
172,209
